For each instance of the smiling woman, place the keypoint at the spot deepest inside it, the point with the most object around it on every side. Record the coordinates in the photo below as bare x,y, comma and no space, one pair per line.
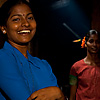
21,25
22,76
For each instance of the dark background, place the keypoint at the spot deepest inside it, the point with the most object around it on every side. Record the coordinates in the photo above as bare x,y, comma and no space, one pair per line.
54,40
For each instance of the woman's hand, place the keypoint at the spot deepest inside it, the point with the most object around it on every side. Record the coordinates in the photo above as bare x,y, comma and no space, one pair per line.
49,93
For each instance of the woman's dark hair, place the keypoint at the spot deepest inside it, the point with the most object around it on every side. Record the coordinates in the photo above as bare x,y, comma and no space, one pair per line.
5,9
91,32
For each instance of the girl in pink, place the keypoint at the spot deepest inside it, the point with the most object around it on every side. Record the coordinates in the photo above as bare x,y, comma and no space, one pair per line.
85,73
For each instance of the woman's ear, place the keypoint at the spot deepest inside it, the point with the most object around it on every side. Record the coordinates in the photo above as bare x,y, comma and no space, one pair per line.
3,29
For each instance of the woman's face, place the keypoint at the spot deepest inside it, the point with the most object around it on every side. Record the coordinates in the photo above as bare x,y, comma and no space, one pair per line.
93,44
21,25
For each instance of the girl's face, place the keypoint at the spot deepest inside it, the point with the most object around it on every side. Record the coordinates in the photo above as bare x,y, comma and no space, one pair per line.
21,25
93,44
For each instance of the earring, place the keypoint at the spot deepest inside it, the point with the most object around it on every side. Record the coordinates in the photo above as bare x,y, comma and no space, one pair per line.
4,31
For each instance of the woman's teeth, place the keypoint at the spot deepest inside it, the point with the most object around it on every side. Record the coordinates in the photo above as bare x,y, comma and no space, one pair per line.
24,31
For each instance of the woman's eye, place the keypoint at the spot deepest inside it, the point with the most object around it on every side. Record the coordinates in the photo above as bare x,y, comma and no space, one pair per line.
16,19
30,18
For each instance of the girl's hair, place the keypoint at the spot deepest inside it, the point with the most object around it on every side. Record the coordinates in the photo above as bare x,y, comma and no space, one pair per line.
91,32
6,8
85,39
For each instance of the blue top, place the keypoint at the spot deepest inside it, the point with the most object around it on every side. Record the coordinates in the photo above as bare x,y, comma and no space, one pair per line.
20,77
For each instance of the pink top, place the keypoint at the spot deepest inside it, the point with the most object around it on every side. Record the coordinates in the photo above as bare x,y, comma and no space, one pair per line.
88,80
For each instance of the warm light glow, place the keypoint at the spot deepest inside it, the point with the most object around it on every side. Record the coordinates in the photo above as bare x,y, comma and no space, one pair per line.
77,40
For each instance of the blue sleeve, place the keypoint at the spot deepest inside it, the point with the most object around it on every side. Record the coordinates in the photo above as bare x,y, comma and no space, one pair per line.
11,81
49,72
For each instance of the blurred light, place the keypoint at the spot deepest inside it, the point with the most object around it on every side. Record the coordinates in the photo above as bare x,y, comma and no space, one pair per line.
71,30
2,2
28,0
77,40
60,3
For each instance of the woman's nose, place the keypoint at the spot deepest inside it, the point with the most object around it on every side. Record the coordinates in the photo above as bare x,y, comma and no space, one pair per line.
94,43
25,23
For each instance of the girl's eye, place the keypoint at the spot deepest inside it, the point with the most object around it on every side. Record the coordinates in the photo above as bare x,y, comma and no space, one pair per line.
91,41
16,19
98,41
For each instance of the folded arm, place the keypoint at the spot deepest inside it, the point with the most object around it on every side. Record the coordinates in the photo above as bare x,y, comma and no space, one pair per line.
49,93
